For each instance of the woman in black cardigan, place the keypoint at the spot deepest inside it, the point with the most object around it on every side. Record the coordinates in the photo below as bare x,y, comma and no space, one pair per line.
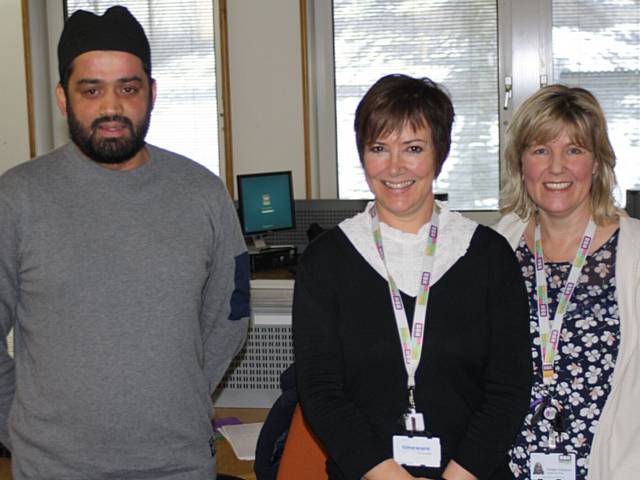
393,395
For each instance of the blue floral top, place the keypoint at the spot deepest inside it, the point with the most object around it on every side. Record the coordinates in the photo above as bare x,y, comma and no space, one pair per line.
587,355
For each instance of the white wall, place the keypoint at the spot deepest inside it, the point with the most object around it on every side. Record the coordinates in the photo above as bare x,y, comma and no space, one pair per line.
14,127
266,88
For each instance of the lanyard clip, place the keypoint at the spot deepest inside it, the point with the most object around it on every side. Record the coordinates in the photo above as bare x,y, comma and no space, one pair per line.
412,400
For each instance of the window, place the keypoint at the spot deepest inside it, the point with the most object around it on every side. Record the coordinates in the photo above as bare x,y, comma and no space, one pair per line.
472,47
596,45
181,34
453,43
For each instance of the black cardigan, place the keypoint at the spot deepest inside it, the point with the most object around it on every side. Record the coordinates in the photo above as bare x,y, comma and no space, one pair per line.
474,378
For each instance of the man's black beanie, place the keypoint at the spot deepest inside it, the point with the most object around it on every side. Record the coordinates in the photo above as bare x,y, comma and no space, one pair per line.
117,29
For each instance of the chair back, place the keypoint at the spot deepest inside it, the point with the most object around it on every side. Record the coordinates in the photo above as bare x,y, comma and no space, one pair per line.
303,457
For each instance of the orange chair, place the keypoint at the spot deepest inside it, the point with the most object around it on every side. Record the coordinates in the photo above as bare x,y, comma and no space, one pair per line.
303,457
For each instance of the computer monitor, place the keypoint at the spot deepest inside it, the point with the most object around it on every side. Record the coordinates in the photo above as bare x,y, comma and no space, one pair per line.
265,203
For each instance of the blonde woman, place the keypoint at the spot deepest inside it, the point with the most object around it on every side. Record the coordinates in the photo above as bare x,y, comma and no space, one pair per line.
580,261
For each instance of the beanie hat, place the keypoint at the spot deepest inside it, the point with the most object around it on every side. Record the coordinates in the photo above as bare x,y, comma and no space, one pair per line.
117,29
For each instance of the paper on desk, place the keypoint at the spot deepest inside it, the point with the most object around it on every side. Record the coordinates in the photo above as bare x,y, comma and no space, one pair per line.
242,438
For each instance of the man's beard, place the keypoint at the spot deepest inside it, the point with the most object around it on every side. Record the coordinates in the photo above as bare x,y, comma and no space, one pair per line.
108,150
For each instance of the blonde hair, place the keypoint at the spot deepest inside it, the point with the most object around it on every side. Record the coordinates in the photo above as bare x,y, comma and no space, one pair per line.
541,118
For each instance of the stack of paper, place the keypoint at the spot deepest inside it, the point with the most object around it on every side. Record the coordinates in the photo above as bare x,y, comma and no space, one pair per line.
271,296
242,438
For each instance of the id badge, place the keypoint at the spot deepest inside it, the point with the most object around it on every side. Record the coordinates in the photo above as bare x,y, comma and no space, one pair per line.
417,451
552,466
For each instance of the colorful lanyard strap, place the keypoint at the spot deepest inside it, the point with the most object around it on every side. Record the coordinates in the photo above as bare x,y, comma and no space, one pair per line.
411,341
550,333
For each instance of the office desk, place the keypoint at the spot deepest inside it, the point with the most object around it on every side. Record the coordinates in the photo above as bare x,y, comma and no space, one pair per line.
227,461
5,469
274,274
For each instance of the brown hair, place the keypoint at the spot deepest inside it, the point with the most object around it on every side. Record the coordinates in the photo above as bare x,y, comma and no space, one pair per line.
540,119
395,100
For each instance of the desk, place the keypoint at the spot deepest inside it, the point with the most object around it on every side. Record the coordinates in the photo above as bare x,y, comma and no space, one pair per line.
274,274
227,461
5,469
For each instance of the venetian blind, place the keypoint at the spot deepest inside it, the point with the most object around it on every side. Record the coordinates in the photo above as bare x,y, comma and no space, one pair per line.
454,42
596,45
181,35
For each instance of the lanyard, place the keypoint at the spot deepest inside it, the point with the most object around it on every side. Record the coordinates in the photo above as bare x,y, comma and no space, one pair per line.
411,342
550,333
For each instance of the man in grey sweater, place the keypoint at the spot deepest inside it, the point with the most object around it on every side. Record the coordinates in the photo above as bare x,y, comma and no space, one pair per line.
124,275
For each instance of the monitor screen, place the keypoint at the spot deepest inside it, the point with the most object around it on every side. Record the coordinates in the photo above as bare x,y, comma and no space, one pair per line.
265,201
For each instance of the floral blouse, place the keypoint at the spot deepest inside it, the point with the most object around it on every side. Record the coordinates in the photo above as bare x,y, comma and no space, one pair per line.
586,358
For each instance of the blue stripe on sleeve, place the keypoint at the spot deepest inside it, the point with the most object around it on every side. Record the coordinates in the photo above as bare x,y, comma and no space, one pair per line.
240,303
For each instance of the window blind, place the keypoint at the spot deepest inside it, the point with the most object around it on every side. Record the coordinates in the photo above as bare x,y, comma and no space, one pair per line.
455,43
596,45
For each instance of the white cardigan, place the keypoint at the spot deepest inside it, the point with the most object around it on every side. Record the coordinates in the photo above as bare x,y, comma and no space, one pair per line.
615,453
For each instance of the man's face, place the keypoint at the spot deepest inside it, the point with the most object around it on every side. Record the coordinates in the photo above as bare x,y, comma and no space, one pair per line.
108,105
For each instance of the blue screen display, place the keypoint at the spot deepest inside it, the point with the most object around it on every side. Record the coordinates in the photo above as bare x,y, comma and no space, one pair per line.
266,202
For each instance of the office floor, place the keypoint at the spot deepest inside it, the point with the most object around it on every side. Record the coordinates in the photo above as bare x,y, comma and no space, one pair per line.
227,461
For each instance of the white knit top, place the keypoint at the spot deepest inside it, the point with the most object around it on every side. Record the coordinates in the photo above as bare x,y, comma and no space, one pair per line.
404,252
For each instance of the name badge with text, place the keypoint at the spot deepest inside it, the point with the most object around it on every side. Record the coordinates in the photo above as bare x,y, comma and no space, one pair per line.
552,466
417,451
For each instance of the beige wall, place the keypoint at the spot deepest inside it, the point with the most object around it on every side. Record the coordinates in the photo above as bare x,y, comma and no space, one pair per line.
266,88
14,130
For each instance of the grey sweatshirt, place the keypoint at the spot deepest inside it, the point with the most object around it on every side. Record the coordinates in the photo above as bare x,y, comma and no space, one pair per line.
129,296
